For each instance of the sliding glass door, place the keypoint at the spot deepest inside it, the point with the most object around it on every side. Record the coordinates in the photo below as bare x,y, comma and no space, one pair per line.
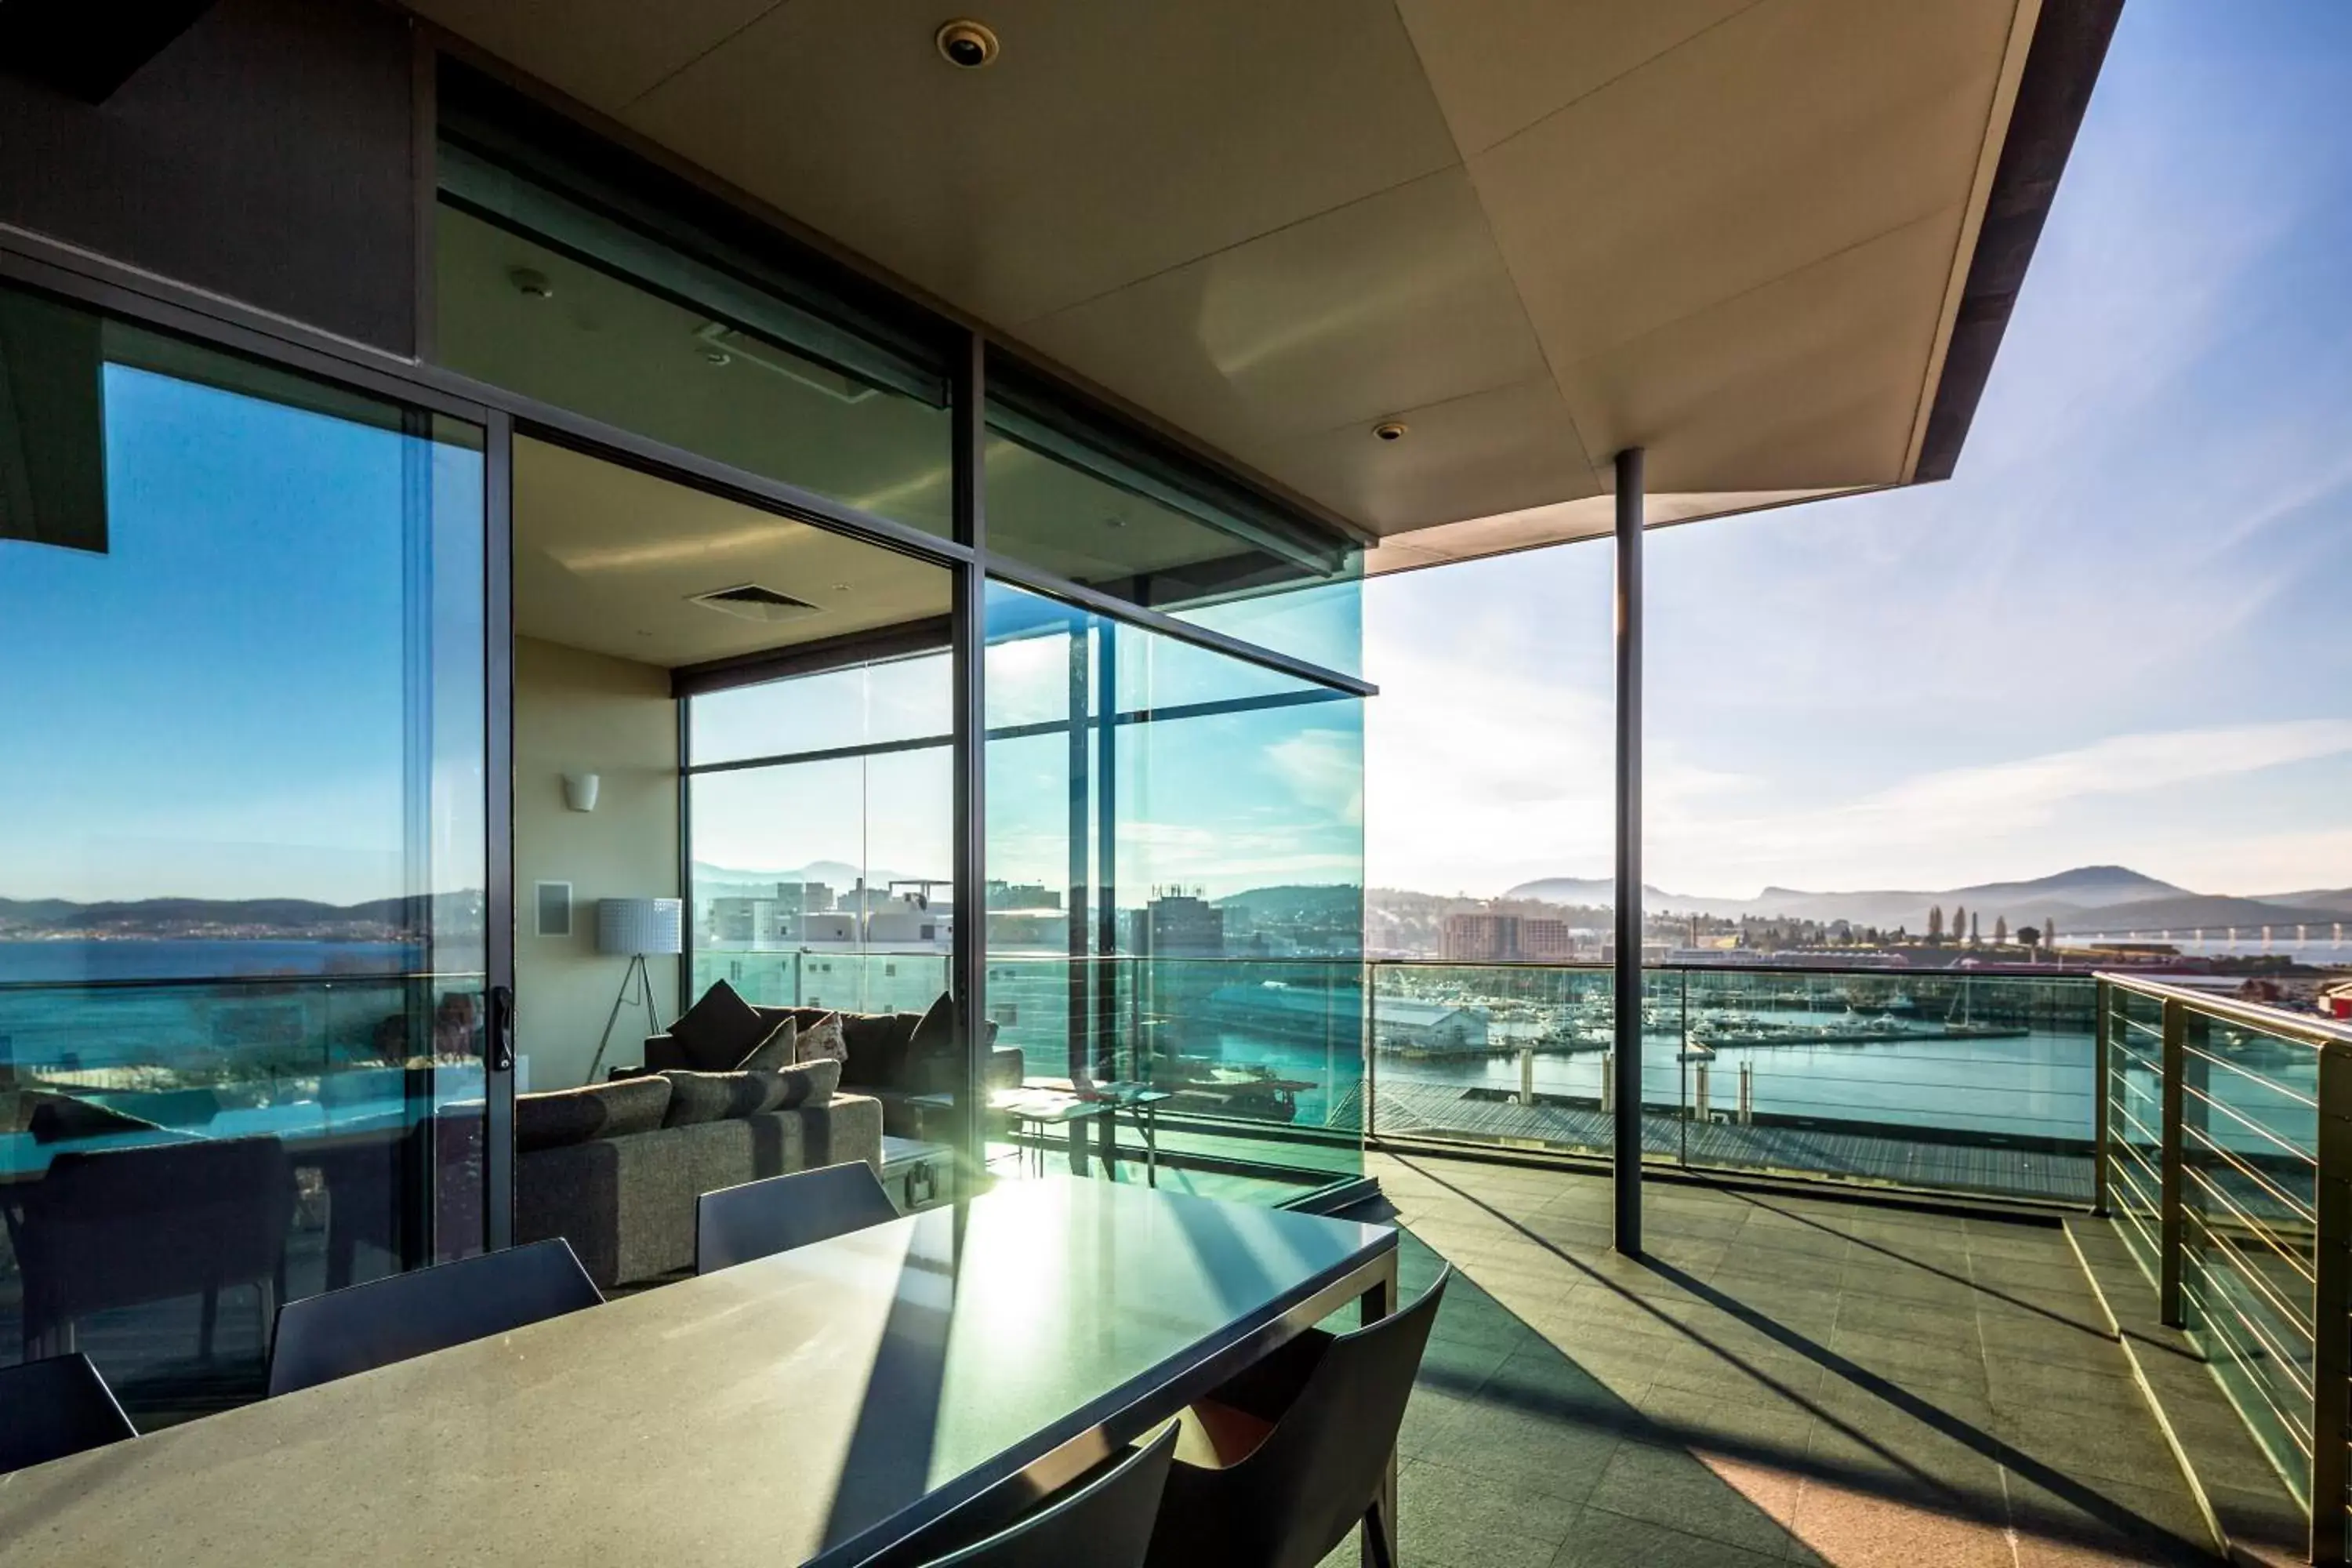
244,848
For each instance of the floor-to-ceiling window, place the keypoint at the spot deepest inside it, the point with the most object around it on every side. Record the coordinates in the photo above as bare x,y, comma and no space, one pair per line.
1204,912
242,848
1175,899
822,840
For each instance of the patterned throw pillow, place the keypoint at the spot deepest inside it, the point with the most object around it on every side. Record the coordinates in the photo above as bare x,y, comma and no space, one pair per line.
822,1041
779,1049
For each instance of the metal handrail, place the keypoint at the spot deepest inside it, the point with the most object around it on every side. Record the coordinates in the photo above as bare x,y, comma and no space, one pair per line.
2194,1255
2308,1028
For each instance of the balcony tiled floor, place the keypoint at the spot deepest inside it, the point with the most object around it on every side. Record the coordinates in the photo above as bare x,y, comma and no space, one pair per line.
1783,1380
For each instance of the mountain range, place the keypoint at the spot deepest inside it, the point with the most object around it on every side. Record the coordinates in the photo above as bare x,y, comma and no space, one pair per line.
2086,900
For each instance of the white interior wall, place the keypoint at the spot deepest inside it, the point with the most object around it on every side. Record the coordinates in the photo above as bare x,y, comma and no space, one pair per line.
582,712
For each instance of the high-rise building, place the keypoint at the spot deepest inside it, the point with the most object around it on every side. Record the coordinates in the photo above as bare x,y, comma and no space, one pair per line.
1481,938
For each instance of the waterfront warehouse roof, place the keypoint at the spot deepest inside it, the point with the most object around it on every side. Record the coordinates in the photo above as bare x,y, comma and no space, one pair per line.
1773,243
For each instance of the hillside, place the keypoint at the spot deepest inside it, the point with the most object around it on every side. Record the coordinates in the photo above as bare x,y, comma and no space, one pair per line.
2086,898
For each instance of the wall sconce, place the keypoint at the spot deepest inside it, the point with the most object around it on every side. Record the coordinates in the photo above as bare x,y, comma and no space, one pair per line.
580,791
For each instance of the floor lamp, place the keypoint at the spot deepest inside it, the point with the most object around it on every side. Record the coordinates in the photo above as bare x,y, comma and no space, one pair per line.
641,928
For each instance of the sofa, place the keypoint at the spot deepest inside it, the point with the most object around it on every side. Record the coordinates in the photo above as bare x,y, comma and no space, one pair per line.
614,1168
908,1062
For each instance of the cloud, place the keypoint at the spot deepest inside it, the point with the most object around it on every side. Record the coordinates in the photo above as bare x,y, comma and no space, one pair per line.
2027,815
2030,789
1324,769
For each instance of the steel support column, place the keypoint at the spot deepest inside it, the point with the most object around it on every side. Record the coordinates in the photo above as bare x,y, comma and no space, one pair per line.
970,944
2170,1227
1627,990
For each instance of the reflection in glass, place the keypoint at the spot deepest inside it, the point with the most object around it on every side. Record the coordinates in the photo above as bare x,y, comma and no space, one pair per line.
1099,504
1175,899
242,856
544,297
823,867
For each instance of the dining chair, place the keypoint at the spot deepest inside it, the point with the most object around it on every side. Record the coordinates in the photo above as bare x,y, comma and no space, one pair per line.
776,1214
1283,1461
1102,1522
104,1230
361,1327
55,1406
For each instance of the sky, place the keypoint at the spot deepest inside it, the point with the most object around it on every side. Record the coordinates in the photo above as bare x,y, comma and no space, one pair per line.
221,703
2117,634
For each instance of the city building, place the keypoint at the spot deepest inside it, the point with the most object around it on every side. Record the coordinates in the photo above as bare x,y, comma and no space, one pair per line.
1177,924
466,464
1481,939
1473,938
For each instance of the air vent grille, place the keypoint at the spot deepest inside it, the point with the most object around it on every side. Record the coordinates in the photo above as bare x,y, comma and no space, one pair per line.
752,602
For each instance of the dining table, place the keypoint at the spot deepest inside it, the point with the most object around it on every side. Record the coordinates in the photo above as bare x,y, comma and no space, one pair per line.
873,1398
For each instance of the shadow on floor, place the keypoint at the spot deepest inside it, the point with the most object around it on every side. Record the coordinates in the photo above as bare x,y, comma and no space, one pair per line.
1782,1380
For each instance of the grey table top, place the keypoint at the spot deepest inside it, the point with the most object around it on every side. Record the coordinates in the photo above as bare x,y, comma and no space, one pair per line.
807,1407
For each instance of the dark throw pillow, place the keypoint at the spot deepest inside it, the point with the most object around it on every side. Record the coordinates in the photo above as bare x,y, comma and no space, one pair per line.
561,1116
717,1031
779,1049
877,1048
931,1047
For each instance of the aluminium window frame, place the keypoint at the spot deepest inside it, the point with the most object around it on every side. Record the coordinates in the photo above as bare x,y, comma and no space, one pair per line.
101,283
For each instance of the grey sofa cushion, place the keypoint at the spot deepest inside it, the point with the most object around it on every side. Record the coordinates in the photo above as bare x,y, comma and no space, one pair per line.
561,1116
779,1049
719,1030
807,1084
626,1205
696,1097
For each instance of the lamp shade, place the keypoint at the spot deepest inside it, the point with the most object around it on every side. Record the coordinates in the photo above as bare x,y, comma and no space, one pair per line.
640,925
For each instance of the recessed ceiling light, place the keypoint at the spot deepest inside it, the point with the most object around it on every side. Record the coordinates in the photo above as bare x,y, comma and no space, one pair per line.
1389,430
967,44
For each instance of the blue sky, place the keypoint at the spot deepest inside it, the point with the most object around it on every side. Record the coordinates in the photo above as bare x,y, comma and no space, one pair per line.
254,548
2119,634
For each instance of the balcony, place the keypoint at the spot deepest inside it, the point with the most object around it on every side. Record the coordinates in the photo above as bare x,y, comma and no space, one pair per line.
1784,1378
2129,1373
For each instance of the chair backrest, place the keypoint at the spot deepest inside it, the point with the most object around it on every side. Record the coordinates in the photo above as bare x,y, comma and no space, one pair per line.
1102,1522
1309,1482
119,1227
54,1407
736,1224
321,1338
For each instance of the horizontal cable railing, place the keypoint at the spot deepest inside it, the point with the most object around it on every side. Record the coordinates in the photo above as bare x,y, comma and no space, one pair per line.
2237,1205
1979,1083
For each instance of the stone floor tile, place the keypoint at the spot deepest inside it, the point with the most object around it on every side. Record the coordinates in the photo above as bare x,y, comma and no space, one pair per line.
1911,1363
1599,1538
1936,1322
2096,1520
1672,1488
1457,1520
1853,1528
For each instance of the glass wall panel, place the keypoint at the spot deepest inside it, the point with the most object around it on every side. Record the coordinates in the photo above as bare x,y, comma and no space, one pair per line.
242,849
823,873
562,302
1099,504
1175,902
